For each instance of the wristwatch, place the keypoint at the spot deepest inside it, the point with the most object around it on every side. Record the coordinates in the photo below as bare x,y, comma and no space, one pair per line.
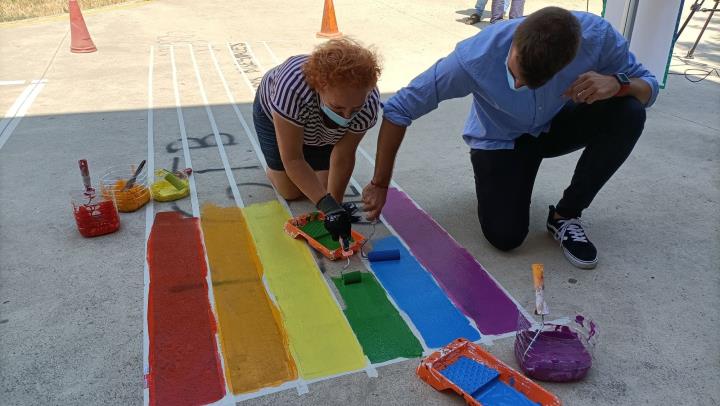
624,84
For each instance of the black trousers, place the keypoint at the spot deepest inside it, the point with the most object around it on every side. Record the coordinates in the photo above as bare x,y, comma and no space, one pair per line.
504,179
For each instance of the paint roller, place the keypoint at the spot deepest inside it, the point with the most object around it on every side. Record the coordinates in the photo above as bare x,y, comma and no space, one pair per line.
350,278
353,277
383,255
172,179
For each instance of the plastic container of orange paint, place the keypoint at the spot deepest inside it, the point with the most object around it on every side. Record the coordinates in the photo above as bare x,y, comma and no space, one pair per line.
112,185
94,214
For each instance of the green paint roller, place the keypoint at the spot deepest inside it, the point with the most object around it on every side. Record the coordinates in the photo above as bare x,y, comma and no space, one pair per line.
172,179
348,278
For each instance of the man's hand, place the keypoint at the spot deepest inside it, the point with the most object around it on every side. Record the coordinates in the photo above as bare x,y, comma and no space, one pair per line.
591,87
373,200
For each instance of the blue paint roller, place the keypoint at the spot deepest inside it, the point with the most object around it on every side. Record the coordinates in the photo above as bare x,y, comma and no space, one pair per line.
383,255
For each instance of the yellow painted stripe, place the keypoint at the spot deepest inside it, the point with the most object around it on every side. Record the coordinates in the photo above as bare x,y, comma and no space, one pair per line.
321,339
254,343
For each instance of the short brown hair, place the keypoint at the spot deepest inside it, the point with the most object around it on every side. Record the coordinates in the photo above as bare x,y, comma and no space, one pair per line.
545,42
342,62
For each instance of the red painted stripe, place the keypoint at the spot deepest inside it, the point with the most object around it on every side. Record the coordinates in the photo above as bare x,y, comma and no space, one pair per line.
184,362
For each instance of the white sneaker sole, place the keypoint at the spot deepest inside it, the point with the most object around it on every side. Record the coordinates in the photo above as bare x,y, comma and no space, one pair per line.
579,262
570,257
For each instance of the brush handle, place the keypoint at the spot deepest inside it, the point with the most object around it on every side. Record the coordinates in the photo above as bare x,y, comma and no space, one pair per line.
132,180
85,173
538,271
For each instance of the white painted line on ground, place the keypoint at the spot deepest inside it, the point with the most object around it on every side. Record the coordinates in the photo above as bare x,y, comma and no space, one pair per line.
252,55
242,72
196,209
12,82
18,110
183,136
241,119
301,386
218,140
149,217
272,54
12,111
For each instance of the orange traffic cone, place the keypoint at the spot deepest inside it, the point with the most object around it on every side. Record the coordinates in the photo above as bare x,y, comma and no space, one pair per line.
80,37
329,28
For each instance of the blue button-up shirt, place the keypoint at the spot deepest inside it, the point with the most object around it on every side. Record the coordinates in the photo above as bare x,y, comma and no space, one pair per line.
499,114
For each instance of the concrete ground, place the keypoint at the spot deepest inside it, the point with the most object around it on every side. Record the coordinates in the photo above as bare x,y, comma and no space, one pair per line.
71,309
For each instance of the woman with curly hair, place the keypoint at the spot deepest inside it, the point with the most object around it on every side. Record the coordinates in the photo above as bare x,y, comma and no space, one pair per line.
310,114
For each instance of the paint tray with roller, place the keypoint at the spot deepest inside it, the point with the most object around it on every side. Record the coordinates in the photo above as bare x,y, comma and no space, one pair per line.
311,227
169,186
481,379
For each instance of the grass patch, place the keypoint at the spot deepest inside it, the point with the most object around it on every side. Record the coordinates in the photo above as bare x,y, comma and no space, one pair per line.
11,10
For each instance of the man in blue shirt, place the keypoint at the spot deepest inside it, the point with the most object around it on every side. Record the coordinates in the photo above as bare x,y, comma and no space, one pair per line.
543,86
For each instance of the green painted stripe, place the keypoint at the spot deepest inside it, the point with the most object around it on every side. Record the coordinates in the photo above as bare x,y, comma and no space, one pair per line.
381,330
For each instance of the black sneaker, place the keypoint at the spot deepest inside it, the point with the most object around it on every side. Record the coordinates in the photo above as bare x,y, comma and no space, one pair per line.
573,240
473,19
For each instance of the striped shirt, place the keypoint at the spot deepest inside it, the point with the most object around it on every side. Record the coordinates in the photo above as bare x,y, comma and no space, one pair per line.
284,90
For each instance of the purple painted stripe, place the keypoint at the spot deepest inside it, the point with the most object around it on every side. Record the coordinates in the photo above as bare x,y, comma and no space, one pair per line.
465,281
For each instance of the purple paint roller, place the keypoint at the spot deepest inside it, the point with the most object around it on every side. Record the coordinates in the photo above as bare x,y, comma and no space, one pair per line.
383,255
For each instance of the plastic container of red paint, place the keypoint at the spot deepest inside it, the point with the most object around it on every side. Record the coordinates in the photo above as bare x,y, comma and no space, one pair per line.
94,214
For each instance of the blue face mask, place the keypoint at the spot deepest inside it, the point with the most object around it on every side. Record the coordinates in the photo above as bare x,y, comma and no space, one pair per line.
335,117
511,78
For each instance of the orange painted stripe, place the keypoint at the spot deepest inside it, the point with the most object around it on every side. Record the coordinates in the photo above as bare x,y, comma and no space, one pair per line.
254,343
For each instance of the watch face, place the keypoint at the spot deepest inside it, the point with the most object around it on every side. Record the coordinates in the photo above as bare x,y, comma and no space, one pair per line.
622,78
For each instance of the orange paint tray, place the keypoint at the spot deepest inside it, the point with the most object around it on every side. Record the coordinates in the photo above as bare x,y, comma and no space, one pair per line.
309,226
478,376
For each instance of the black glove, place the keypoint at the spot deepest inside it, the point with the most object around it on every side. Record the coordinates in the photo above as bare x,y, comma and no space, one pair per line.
352,209
337,219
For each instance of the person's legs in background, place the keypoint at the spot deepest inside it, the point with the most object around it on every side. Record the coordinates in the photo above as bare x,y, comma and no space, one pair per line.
477,15
517,9
497,9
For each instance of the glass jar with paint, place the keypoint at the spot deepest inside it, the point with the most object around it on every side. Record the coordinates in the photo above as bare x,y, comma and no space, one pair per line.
94,214
127,185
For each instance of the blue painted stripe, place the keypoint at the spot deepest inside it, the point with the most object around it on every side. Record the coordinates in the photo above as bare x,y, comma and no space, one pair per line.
417,294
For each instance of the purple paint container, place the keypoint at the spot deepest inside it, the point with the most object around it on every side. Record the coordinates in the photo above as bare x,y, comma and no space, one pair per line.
557,353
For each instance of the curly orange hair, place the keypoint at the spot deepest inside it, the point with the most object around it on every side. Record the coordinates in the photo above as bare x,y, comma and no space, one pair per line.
342,63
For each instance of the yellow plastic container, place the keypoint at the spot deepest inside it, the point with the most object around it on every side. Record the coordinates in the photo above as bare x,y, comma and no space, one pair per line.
165,191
